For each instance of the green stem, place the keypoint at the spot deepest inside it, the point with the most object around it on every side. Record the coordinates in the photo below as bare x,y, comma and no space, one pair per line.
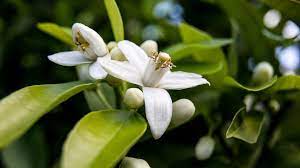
103,98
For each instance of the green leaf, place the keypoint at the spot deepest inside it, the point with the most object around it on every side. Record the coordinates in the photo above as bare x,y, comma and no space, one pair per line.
115,19
30,151
289,8
246,125
102,138
250,25
215,56
180,51
284,83
191,34
232,82
200,68
61,33
20,110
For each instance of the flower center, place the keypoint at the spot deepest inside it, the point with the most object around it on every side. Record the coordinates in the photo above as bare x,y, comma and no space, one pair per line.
81,42
162,60
157,67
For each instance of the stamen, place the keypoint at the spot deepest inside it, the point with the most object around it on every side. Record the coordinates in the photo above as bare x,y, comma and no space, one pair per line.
81,42
162,60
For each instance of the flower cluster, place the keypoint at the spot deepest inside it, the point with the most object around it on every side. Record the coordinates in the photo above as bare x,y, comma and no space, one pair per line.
143,66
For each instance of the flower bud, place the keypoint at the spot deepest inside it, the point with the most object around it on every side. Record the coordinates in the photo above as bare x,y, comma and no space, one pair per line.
249,101
116,54
263,72
204,148
134,98
183,110
150,47
111,45
130,162
274,105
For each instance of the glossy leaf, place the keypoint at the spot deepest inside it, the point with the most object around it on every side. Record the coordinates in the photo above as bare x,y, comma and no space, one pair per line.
190,34
102,138
20,110
246,125
180,51
232,82
115,19
30,151
284,83
61,33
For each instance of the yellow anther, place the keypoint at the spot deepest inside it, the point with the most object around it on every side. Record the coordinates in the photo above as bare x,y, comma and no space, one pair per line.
81,42
162,60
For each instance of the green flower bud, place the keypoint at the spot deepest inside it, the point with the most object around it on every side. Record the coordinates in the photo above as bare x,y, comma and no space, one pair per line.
204,148
130,162
150,47
183,110
116,54
263,72
274,105
249,101
112,45
134,98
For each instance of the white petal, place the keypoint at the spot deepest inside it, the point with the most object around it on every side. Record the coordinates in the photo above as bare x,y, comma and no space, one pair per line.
96,71
122,70
134,54
69,58
181,80
158,106
92,37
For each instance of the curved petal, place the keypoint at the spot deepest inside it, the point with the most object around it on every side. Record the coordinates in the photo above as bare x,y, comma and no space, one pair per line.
96,71
95,41
158,106
181,80
69,58
122,70
134,54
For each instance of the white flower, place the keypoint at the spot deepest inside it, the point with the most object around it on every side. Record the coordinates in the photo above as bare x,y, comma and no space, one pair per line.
91,47
130,162
154,76
204,148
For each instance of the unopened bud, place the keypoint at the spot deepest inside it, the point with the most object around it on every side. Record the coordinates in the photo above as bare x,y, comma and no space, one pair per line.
134,98
263,72
150,47
130,162
183,110
204,148
111,45
274,105
249,101
116,54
